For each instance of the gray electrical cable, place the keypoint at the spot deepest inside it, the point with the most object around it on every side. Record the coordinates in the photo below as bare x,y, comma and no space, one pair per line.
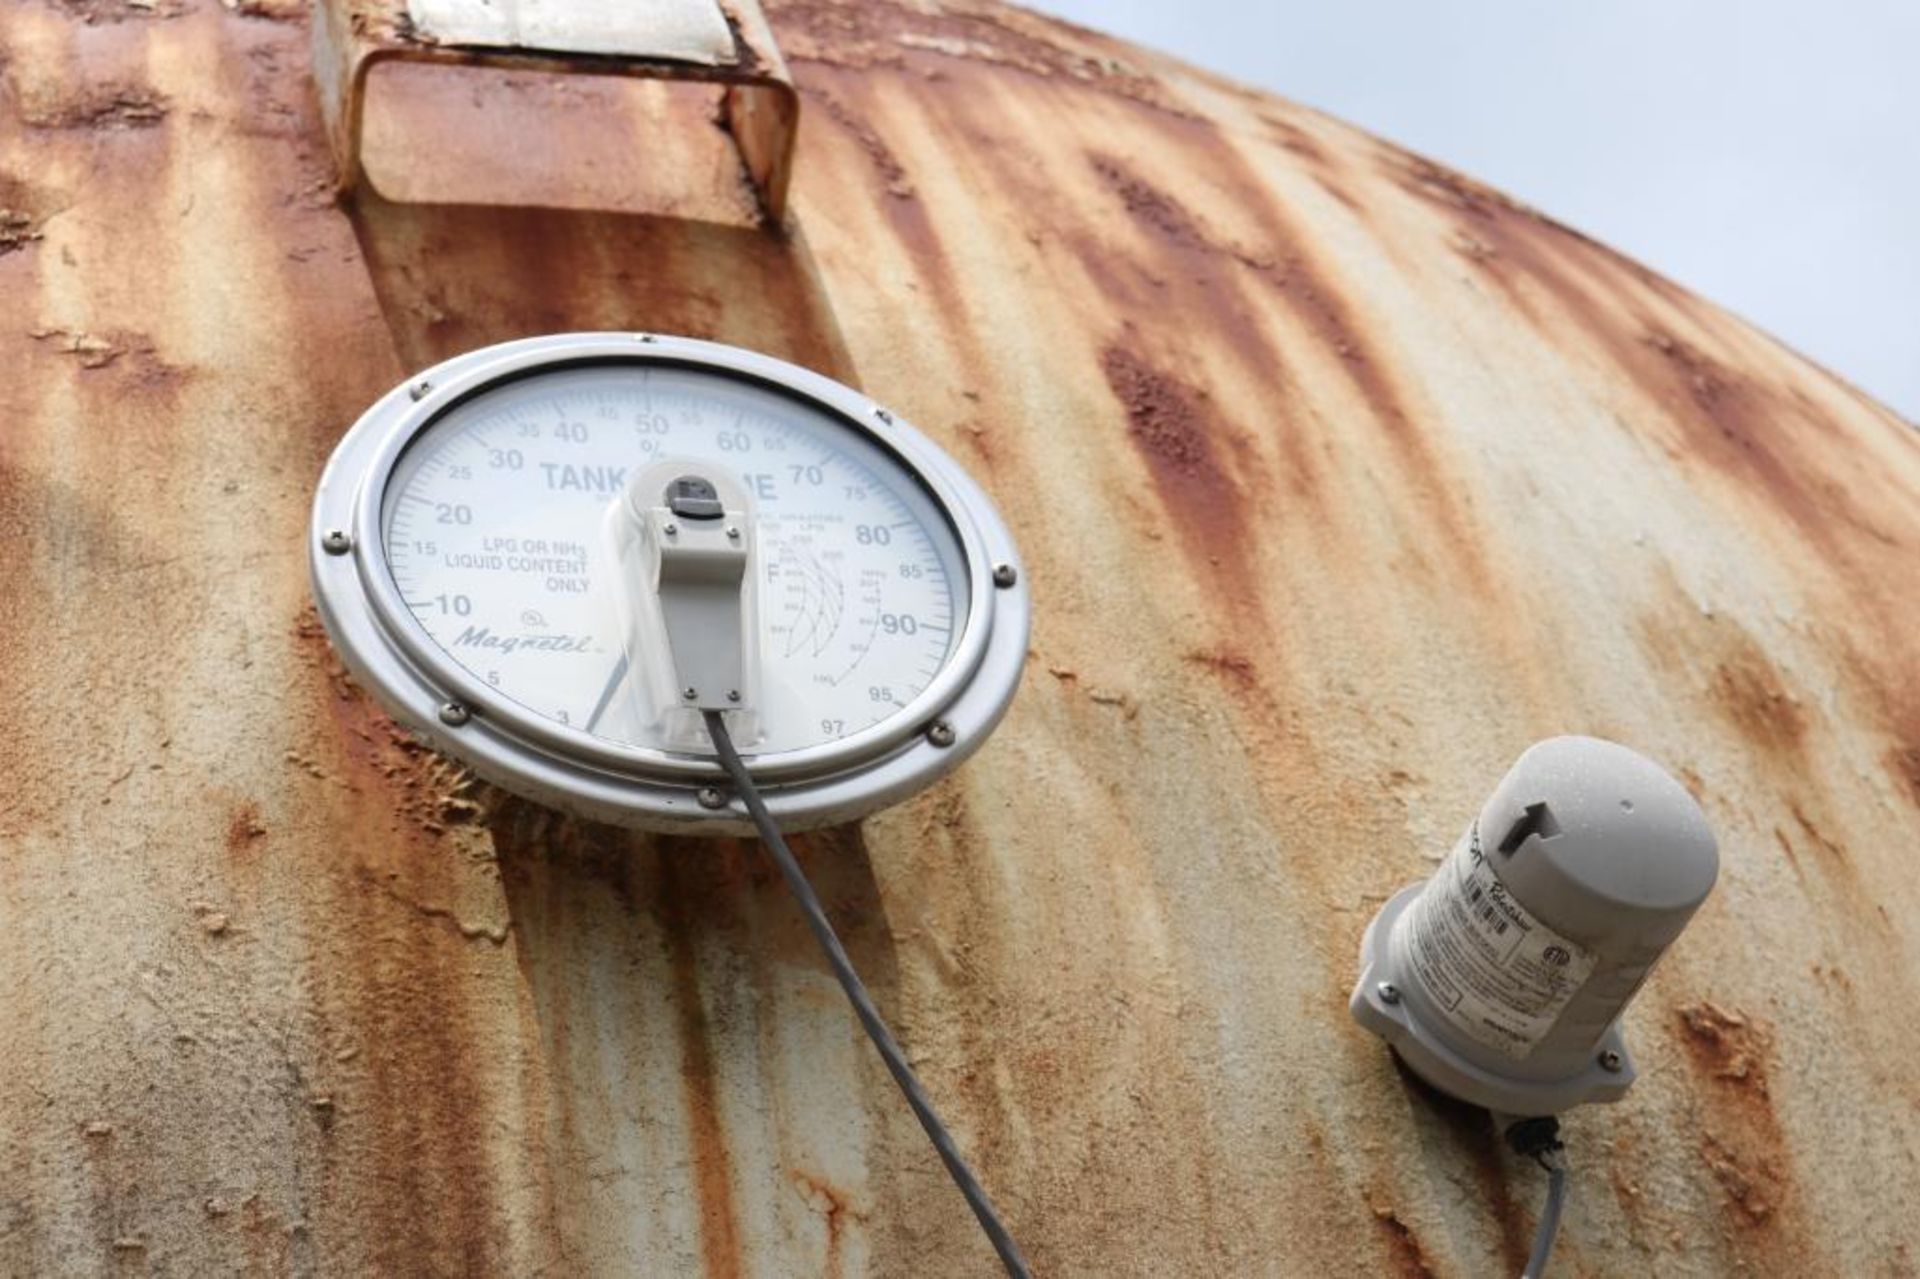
1549,1230
862,1003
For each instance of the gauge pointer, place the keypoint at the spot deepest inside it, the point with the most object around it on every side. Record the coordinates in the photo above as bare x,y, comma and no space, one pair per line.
606,694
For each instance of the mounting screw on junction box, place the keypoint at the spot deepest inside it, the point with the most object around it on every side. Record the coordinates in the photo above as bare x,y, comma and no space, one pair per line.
1501,980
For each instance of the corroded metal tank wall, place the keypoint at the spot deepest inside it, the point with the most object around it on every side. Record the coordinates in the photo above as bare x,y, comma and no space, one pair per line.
1341,479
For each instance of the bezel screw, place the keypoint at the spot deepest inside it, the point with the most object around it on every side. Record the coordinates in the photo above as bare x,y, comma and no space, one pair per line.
453,714
712,797
336,542
883,415
419,390
941,733
1611,1061
1388,992
1005,575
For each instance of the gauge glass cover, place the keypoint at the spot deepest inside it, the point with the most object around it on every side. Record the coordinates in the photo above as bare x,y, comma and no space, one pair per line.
494,527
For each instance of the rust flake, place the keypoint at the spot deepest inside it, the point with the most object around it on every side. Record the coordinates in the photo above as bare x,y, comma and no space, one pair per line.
268,10
25,208
1202,274
98,12
1501,229
137,365
18,228
102,107
1174,429
876,33
1160,212
1728,1046
892,175
1741,1141
1237,669
424,792
1194,273
1404,1253
244,828
1521,250
1753,1183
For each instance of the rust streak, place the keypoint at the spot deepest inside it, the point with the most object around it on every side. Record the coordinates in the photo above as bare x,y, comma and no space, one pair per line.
1751,694
1175,431
866,35
720,1240
1472,1133
1286,268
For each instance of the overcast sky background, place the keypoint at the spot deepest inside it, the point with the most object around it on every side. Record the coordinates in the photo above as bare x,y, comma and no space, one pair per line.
1765,153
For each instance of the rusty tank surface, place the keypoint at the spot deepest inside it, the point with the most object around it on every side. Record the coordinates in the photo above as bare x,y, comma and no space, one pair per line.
1340,478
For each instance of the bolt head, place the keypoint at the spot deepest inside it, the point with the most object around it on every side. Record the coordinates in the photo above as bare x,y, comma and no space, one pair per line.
712,797
941,733
690,693
671,530
734,534
733,694
1005,575
336,542
419,389
453,714
1611,1061
1388,992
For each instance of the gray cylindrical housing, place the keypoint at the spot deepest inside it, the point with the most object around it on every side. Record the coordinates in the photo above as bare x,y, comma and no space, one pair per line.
1510,967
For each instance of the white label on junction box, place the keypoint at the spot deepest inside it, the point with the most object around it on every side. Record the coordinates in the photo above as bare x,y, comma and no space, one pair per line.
1498,974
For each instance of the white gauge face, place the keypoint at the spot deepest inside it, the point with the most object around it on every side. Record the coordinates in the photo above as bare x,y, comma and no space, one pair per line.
495,527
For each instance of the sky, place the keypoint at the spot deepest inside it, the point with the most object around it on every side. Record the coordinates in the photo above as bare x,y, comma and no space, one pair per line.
1764,153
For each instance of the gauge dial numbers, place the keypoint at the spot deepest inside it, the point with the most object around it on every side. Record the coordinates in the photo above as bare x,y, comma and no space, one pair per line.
495,535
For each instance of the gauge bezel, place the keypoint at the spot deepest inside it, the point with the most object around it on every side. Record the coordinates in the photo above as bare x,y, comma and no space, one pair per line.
387,646
425,653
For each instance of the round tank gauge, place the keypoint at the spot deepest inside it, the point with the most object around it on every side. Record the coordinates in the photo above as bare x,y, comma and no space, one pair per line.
552,557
